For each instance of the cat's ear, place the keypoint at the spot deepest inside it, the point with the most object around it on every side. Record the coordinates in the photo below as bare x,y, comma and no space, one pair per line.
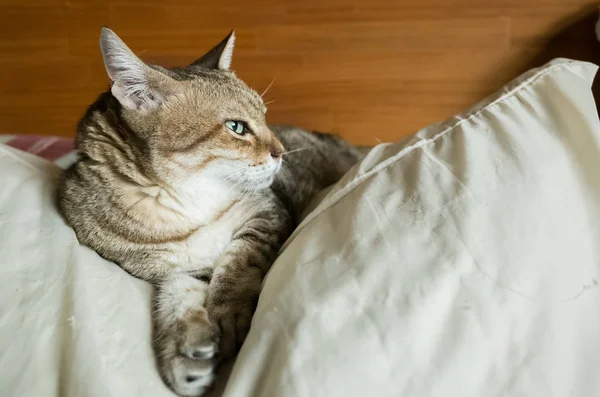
134,84
220,56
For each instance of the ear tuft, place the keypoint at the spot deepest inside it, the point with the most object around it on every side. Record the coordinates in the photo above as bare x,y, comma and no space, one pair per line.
219,57
227,55
117,56
135,84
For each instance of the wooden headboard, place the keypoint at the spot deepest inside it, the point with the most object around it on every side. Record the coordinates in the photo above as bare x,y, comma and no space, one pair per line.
368,69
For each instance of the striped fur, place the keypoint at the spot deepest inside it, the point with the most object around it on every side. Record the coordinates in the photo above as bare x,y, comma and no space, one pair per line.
166,190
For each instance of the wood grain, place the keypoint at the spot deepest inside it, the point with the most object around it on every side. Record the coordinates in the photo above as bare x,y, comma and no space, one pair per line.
368,69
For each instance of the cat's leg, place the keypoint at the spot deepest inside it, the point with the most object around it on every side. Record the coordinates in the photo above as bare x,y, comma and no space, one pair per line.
233,297
237,279
186,341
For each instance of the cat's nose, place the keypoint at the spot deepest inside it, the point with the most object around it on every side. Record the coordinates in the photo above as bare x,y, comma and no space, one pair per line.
276,154
277,151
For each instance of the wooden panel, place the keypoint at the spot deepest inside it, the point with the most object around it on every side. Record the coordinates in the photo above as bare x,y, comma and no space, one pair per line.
33,32
368,69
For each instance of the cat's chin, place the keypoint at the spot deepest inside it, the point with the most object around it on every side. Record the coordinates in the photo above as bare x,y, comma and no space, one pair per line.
260,178
263,184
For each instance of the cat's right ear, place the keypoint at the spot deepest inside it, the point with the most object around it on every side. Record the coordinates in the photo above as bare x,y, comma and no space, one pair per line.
219,57
135,85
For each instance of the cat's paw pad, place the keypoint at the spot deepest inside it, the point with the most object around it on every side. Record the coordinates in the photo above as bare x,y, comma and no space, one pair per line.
190,354
191,377
206,350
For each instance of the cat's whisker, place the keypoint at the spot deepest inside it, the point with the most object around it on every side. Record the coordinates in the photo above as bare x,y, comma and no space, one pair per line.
266,103
231,174
267,89
244,192
235,173
234,176
297,150
283,169
238,182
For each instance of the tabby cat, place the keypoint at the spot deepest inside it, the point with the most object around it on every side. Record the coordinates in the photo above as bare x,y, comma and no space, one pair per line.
178,183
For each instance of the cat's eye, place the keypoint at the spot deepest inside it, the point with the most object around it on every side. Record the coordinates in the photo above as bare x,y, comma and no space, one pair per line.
239,127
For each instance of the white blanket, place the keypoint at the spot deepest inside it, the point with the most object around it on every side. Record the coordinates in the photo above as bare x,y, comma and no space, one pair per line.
462,262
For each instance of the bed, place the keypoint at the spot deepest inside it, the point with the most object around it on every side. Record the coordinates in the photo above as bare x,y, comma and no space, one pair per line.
463,261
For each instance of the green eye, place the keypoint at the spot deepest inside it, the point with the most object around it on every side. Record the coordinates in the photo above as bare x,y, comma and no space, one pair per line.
236,126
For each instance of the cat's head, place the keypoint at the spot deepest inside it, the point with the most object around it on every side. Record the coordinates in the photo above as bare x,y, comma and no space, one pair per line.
196,123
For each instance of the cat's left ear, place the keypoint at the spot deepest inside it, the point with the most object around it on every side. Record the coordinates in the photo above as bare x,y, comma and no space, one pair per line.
220,56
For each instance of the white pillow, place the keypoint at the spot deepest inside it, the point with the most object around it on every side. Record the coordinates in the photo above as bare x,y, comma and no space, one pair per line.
464,262
71,323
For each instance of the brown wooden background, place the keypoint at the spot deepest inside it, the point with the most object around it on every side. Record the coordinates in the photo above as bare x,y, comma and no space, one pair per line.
368,69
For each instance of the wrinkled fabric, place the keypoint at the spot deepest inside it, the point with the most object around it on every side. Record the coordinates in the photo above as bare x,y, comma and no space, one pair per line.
71,323
463,261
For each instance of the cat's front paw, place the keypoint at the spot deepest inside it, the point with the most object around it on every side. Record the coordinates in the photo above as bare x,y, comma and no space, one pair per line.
233,317
187,354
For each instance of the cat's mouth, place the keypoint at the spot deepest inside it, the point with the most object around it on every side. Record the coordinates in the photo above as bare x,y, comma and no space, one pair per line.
262,176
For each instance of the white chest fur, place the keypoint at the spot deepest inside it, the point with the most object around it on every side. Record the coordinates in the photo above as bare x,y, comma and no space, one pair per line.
204,247
213,214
